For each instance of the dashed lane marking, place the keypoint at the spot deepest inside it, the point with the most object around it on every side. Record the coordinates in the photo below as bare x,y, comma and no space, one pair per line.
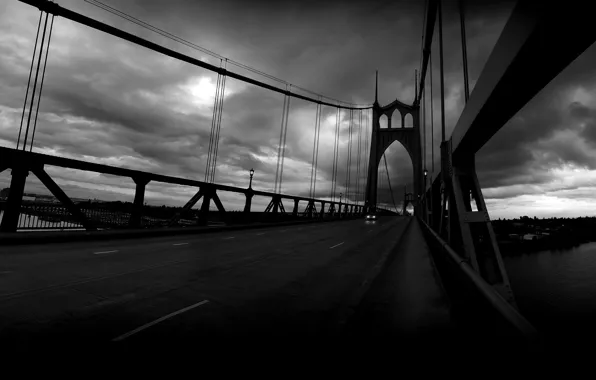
104,252
337,245
146,326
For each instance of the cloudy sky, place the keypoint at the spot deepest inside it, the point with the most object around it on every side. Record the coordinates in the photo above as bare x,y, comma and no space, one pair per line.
106,100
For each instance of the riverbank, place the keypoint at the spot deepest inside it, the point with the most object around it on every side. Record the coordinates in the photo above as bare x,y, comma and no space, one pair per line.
518,247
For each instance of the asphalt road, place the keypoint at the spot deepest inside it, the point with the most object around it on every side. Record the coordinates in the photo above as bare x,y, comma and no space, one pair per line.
285,285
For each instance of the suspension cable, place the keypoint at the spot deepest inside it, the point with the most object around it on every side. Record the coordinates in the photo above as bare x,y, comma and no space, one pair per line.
43,36
357,198
366,153
29,80
220,115
335,155
194,46
43,75
315,152
280,144
314,183
283,150
464,50
213,123
441,73
389,182
349,158
432,116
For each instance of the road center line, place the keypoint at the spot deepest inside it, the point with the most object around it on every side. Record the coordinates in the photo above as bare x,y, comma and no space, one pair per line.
227,238
179,243
262,233
102,252
145,326
337,245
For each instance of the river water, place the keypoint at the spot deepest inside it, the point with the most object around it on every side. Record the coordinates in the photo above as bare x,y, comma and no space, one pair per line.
556,290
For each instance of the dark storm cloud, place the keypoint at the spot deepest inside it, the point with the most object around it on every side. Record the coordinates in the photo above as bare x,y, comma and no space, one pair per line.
105,98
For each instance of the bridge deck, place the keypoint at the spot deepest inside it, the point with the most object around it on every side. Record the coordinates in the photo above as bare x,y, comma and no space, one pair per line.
407,299
288,286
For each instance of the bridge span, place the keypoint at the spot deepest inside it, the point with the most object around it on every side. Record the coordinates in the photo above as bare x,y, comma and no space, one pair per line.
290,286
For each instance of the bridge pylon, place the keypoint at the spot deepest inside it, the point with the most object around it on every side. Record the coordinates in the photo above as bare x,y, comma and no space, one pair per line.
382,138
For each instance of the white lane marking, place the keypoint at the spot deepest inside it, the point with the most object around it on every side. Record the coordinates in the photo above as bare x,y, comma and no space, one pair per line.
337,245
179,243
227,238
145,326
102,252
262,233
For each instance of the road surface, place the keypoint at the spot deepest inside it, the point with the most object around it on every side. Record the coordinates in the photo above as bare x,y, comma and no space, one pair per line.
292,282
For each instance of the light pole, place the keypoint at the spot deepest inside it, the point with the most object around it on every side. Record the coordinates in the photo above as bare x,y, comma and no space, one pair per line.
340,194
252,172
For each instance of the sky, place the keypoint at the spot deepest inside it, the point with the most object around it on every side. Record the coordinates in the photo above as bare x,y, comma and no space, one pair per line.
108,101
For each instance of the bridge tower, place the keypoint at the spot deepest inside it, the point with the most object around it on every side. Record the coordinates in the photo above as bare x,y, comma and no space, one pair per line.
382,138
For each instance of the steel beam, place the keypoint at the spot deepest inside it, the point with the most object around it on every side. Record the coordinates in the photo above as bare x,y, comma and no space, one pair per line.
540,39
137,208
191,202
248,203
63,198
10,220
12,158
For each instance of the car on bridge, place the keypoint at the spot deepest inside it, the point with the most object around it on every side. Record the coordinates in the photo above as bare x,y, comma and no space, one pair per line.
371,217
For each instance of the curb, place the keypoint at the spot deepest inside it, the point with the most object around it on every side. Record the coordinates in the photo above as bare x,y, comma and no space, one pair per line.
29,238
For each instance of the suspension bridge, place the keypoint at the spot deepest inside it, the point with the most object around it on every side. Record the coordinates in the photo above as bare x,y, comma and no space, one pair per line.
307,265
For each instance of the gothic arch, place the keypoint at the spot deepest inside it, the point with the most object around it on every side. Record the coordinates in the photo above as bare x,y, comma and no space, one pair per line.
381,139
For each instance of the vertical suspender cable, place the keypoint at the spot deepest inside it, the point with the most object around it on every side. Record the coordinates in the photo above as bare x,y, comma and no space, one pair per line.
424,131
432,117
29,80
349,155
283,149
314,183
43,37
441,72
335,154
389,182
357,197
43,75
213,124
366,152
281,133
464,49
220,114
315,152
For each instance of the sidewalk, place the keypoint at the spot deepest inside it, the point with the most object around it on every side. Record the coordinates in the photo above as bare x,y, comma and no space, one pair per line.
407,299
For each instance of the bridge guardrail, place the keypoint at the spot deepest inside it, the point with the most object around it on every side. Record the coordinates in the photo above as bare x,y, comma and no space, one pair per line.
513,320
67,215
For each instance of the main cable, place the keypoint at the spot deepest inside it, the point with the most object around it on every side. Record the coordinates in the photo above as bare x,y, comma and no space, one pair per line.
192,45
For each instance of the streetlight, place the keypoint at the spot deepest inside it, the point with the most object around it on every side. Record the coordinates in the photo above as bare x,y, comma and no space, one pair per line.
425,173
340,194
252,172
